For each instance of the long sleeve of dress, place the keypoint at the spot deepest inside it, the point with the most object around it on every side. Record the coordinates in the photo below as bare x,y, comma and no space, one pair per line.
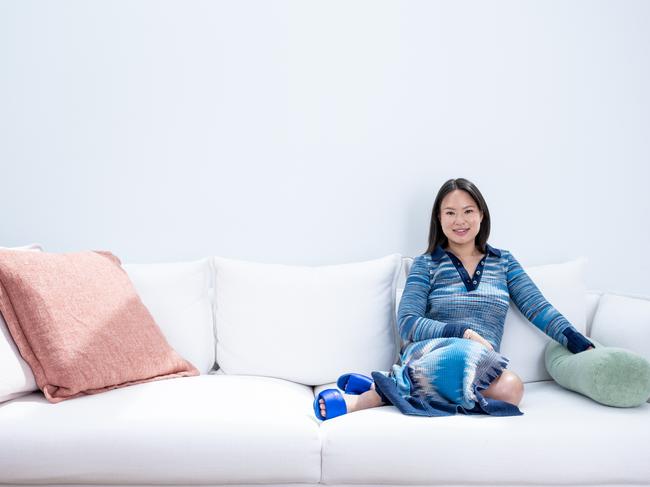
532,304
412,322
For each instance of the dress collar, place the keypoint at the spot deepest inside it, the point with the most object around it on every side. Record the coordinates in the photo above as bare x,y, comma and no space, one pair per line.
439,252
493,251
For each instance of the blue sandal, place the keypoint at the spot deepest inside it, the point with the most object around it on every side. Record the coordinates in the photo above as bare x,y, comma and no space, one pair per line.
334,404
354,383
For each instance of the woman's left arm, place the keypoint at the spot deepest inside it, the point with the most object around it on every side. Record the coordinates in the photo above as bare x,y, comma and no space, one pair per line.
532,304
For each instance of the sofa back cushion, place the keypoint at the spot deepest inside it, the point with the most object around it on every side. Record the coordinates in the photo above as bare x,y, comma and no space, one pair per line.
177,295
623,321
592,300
80,325
306,324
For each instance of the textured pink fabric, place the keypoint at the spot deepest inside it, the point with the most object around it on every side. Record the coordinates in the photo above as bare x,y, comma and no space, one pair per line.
80,325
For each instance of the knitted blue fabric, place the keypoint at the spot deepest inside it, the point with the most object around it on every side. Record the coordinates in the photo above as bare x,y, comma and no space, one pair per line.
439,372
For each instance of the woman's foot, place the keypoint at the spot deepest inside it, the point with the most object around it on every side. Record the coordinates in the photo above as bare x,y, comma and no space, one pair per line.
369,399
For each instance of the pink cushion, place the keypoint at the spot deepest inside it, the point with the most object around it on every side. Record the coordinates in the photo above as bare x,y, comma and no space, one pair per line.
80,325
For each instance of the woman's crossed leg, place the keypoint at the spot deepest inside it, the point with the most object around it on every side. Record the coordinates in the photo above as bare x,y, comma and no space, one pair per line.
507,387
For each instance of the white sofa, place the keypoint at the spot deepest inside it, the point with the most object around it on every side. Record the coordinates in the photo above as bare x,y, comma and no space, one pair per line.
229,427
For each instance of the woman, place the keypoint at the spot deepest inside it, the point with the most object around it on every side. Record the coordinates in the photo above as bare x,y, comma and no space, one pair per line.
450,321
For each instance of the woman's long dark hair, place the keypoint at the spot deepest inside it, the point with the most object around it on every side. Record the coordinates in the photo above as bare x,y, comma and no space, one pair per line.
437,236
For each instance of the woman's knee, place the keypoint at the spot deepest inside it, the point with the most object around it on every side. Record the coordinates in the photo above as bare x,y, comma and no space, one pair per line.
507,387
515,388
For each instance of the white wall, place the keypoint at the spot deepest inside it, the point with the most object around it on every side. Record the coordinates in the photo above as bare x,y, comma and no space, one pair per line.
319,132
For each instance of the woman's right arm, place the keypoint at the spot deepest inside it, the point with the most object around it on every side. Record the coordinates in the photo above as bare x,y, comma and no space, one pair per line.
411,320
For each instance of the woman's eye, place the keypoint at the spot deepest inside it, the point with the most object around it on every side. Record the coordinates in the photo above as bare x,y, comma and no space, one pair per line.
449,213
469,211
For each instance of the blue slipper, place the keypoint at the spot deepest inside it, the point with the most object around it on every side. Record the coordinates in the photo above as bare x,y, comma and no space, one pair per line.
334,404
354,383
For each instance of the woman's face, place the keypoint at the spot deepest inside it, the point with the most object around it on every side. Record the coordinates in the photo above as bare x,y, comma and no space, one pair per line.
460,217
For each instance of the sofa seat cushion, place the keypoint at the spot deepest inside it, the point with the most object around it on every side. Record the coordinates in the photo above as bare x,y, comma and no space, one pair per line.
205,429
563,437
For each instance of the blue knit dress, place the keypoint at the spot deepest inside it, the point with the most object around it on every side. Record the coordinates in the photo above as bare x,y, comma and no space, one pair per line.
439,373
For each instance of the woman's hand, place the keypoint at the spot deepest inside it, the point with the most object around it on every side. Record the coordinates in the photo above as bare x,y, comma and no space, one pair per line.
472,335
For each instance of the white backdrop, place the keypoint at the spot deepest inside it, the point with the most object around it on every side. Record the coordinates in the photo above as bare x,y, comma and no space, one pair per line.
307,132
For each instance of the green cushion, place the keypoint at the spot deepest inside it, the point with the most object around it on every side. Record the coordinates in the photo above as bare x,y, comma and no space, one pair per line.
608,375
